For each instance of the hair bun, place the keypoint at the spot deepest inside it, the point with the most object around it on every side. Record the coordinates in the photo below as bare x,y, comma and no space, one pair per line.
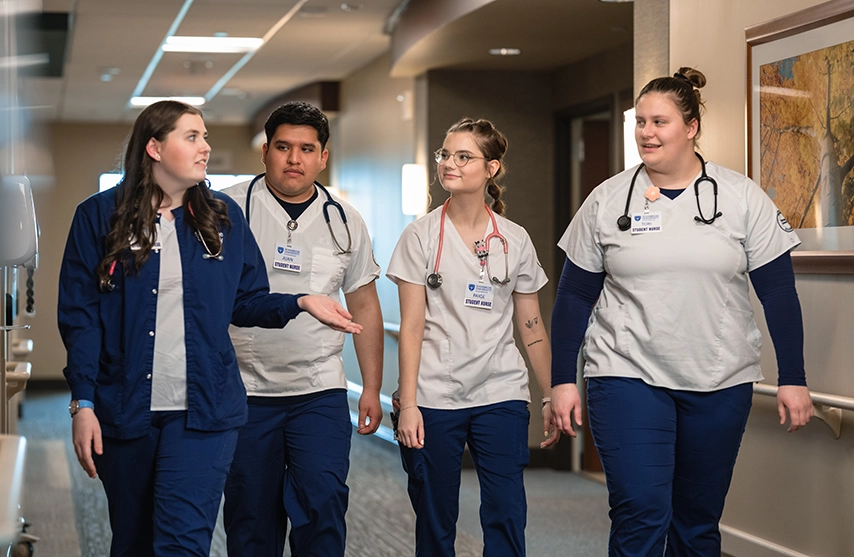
694,77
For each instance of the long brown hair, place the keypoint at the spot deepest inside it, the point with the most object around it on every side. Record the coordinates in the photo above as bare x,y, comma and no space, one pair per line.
139,196
493,143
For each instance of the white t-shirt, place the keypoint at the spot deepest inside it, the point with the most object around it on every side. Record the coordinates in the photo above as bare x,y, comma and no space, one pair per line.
675,310
305,356
468,356
169,368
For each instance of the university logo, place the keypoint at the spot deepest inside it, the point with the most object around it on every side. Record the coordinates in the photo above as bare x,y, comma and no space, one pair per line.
783,222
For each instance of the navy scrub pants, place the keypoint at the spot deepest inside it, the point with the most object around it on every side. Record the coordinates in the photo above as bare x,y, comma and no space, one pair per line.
668,457
291,464
164,489
497,436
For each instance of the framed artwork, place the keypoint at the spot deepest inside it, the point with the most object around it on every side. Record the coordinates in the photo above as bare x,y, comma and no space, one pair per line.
800,122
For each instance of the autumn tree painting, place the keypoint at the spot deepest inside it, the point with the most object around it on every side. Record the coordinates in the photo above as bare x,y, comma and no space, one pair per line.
806,113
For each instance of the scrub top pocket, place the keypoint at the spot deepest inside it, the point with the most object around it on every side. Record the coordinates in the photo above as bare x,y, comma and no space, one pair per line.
327,272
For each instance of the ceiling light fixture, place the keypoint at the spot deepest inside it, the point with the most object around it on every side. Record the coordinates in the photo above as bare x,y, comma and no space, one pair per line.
505,51
107,74
216,45
158,54
145,101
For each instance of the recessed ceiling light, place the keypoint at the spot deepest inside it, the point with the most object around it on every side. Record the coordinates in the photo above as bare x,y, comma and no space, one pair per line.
107,74
212,44
350,7
145,101
505,51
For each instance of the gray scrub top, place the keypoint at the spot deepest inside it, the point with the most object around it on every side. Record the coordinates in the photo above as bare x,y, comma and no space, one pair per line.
468,356
675,308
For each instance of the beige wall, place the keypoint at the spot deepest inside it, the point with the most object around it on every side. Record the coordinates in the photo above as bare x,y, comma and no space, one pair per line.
596,77
794,490
81,153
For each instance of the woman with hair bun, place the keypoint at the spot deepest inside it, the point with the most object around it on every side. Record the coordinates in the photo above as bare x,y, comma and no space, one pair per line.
463,273
664,251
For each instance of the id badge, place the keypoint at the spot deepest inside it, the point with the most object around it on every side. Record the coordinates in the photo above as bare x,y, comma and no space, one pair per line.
478,295
646,223
157,245
288,259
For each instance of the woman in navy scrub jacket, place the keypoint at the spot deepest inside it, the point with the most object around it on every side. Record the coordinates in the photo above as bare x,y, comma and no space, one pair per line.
154,271
671,348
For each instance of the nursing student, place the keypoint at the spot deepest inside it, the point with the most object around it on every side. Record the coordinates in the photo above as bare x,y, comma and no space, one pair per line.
154,271
464,275
666,251
293,454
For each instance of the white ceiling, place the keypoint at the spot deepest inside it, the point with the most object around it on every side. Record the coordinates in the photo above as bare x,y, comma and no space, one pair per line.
320,42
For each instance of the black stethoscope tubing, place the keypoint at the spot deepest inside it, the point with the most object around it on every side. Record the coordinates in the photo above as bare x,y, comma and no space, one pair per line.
624,222
329,201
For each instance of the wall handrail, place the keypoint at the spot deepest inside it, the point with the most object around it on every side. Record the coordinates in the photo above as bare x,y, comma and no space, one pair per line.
843,402
828,408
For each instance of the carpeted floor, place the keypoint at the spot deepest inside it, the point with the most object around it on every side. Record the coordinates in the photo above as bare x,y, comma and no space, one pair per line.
567,514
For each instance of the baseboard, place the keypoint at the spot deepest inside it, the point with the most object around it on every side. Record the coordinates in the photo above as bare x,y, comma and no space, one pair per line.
741,544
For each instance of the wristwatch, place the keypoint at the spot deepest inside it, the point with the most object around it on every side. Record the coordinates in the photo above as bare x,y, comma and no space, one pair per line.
76,405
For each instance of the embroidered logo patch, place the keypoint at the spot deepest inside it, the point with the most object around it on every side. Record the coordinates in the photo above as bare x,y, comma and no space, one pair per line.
783,222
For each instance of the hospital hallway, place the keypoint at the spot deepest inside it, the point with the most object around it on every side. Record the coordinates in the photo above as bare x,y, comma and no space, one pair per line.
567,514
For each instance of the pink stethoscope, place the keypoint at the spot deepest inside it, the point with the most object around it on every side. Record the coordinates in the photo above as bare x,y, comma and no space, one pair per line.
434,279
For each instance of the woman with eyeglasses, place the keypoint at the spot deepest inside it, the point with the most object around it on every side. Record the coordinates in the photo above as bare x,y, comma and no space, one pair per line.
154,271
671,348
464,273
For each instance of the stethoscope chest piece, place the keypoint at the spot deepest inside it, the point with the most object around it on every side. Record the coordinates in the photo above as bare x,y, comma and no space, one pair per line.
624,221
434,280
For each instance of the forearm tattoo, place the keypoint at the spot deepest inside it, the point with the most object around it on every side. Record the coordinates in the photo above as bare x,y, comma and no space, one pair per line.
531,322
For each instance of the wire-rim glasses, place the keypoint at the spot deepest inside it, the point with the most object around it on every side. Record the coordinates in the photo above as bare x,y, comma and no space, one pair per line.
461,158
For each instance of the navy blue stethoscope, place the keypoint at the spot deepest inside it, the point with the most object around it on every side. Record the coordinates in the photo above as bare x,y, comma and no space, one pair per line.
292,224
625,222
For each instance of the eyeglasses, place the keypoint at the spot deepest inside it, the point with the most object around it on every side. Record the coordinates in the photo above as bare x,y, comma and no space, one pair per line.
461,158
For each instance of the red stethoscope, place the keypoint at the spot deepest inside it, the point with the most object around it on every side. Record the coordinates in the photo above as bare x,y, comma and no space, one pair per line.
434,279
